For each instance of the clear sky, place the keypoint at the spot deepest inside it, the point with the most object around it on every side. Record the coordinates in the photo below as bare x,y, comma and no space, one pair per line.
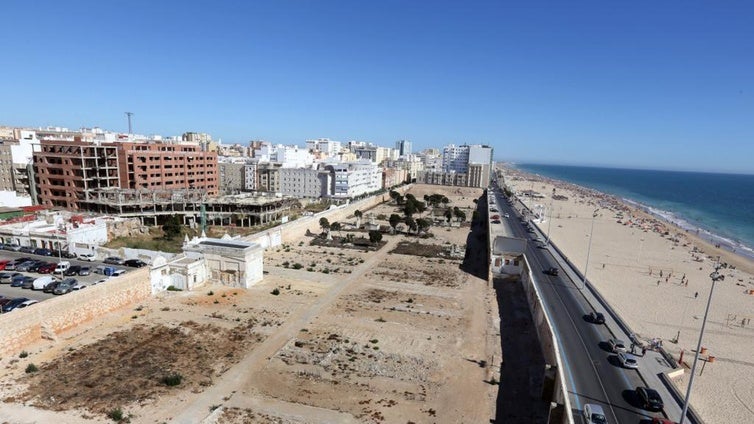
642,84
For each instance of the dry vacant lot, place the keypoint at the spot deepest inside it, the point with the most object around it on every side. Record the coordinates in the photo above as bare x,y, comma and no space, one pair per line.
395,335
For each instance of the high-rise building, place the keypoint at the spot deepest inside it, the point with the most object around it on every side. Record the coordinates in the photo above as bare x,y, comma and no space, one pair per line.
403,147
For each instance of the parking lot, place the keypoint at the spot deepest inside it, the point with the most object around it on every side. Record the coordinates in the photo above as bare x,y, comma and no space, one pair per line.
13,292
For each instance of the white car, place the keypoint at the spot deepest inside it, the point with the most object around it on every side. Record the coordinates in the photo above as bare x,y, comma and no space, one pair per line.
27,303
104,280
89,257
593,414
617,345
628,360
78,286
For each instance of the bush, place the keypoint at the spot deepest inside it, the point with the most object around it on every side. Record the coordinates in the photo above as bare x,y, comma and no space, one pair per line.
275,291
297,266
31,368
115,415
172,379
210,293
23,354
173,288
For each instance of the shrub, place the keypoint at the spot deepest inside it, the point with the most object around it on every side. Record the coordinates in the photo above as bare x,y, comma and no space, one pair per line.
31,368
380,319
173,288
23,354
374,341
172,379
297,266
115,415
275,291
210,293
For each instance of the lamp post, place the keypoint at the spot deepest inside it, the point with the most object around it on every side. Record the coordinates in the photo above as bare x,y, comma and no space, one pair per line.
589,249
549,223
715,276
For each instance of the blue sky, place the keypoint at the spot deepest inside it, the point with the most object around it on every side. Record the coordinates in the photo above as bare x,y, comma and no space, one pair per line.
642,84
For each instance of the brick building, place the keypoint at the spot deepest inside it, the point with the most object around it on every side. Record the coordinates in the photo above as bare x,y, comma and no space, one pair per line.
67,173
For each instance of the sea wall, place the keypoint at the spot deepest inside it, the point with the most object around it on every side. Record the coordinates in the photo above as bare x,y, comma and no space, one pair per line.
48,319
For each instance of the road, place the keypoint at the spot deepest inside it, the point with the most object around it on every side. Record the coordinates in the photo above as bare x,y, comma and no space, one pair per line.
593,374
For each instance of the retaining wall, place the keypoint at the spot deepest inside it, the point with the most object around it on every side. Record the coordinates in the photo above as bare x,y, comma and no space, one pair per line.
47,319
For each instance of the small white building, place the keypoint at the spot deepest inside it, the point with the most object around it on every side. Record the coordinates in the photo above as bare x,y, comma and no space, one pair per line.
55,231
508,255
229,262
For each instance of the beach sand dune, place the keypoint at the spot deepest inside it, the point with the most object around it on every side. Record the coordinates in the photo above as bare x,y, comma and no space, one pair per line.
657,277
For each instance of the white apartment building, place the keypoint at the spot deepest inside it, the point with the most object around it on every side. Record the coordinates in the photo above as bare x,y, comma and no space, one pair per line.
287,156
455,159
324,145
355,178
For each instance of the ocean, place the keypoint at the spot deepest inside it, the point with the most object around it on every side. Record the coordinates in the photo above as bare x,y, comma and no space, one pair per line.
720,207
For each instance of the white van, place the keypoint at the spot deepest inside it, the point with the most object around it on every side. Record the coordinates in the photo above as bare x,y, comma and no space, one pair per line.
62,267
41,282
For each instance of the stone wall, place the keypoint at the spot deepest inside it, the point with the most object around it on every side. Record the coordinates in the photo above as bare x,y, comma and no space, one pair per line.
52,317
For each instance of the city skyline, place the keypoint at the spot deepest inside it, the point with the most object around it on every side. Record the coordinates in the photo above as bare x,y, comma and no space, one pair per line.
641,86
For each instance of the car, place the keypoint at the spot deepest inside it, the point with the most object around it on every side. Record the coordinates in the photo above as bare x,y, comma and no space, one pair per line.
114,260
14,303
628,360
596,317
593,414
26,249
89,257
73,270
36,265
3,301
507,215
134,263
51,286
3,263
11,266
17,281
496,221
65,286
104,280
552,271
68,255
617,345
25,282
61,267
78,286
7,277
495,217
651,400
493,210
118,272
662,420
43,252
28,283
41,282
12,247
27,303
47,268
85,270
25,266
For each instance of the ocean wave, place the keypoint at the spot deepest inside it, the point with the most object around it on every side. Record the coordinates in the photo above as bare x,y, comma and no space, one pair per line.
726,243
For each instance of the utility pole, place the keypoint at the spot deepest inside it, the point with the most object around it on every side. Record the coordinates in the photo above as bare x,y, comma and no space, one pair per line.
589,249
130,130
549,223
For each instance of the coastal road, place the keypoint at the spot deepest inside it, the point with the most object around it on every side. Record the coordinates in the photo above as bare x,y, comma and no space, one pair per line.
593,374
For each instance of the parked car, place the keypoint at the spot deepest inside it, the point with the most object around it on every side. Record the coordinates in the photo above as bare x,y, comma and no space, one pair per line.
552,271
78,286
51,286
65,286
651,400
495,216
46,268
616,345
36,265
596,317
7,277
72,270
12,247
89,257
14,303
507,215
68,255
134,263
3,263
85,270
114,260
26,249
118,272
17,280
27,303
24,283
43,252
28,282
61,267
25,266
593,414
628,360
104,280
11,266
41,282
3,301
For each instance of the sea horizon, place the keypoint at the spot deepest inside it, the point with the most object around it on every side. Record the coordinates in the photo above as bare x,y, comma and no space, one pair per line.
718,207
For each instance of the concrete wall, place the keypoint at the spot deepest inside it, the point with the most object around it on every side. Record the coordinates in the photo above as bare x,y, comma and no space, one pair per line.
47,319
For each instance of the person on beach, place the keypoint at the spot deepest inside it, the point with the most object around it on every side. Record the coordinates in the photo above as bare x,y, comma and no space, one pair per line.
696,294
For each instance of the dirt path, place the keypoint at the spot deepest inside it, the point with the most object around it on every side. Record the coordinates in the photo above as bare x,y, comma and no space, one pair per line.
231,384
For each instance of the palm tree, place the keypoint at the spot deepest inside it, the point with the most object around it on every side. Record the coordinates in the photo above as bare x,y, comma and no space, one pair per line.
357,213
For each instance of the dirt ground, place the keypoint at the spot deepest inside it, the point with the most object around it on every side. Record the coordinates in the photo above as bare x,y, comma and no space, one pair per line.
349,336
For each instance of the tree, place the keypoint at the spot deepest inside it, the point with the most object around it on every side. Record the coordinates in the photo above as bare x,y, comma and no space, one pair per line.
172,227
335,226
324,224
411,224
423,224
394,195
448,215
375,236
358,214
409,209
394,220
461,215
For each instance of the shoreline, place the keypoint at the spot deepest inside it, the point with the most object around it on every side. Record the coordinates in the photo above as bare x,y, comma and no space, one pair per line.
715,240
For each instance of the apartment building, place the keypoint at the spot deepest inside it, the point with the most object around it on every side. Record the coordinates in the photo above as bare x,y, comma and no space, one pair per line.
355,178
305,182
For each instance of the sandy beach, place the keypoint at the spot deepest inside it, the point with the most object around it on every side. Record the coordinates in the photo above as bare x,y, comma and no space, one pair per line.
656,276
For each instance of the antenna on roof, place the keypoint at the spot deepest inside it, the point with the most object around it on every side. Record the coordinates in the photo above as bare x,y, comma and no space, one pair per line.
129,114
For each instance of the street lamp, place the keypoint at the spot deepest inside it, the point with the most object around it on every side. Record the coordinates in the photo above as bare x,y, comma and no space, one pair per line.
549,224
715,276
589,249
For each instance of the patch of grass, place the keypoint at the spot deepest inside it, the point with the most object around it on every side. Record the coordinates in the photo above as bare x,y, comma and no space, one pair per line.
374,341
31,368
275,291
380,319
23,354
116,415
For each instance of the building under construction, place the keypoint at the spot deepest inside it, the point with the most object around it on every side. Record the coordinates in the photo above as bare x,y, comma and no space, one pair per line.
194,206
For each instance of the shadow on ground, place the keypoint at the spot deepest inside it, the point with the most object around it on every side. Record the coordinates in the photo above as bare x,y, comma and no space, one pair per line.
476,261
